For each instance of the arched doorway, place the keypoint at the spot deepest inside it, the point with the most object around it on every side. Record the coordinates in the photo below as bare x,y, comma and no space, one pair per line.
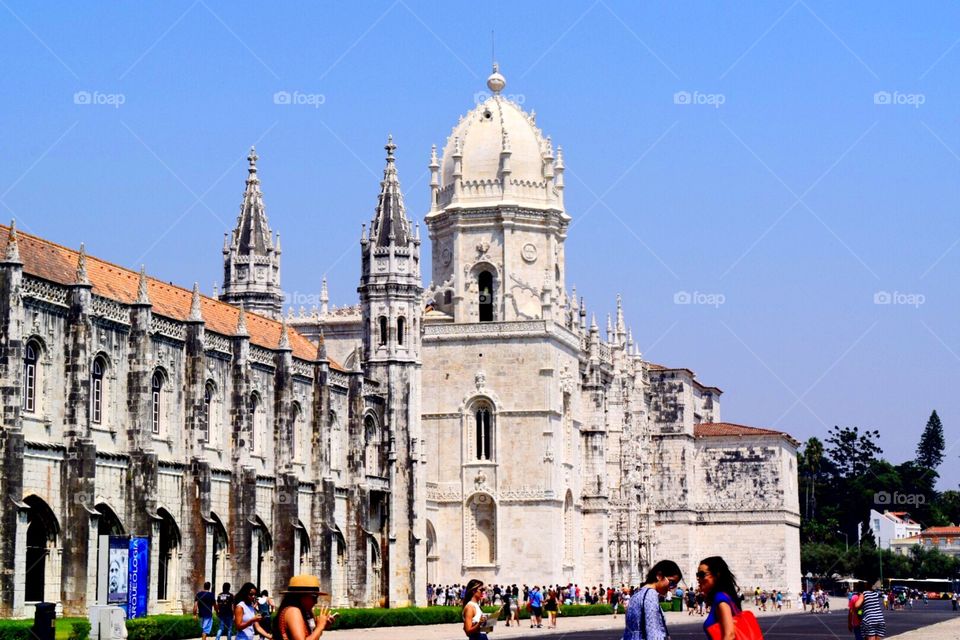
433,555
262,545
43,531
168,564
218,550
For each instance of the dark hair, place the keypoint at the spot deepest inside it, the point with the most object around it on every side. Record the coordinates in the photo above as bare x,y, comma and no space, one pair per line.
206,585
472,587
290,600
264,593
723,579
226,586
664,569
244,592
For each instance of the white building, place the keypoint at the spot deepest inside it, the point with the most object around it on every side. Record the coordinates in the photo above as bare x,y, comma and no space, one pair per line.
892,525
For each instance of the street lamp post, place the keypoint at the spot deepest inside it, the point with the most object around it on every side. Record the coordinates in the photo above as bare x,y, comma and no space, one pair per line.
846,539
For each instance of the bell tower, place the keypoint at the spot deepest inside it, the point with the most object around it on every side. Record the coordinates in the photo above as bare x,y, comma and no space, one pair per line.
251,257
497,221
391,297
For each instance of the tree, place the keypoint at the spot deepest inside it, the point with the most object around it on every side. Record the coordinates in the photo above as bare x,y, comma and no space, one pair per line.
930,448
851,452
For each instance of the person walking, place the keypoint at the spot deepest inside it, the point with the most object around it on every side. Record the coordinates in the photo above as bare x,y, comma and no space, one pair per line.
265,606
225,612
644,618
295,619
870,609
553,608
719,586
536,608
853,617
203,605
615,601
473,618
245,617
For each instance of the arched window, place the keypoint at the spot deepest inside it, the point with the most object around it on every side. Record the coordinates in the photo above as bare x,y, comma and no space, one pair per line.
336,447
485,285
448,297
96,389
30,360
401,326
156,387
255,411
383,330
209,390
373,441
483,432
297,420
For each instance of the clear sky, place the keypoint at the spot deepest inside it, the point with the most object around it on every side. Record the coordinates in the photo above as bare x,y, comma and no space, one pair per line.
787,164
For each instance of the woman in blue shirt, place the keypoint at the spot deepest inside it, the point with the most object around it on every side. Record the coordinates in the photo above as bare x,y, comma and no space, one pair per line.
644,616
719,585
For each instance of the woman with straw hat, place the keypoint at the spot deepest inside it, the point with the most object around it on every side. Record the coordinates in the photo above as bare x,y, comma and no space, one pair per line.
295,619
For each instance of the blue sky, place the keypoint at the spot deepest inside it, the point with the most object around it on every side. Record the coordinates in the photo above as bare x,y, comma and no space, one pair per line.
790,162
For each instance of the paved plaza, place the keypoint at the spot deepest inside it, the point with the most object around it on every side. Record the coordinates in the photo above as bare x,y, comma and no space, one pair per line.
934,622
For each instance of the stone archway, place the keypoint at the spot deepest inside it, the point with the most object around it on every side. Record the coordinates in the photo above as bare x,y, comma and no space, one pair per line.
42,580
168,560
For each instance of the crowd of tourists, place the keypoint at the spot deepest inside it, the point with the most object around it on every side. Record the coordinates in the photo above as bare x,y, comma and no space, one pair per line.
717,596
251,613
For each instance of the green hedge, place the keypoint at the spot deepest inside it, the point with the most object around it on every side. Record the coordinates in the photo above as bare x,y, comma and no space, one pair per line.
16,629
79,629
163,627
404,617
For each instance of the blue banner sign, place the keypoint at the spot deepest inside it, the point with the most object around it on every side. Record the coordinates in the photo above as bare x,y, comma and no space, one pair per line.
138,577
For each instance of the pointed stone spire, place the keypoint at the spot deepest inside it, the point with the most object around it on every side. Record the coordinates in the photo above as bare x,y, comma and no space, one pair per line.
251,255
143,294
284,343
81,277
13,244
322,347
390,225
324,296
593,323
621,325
196,312
609,328
241,329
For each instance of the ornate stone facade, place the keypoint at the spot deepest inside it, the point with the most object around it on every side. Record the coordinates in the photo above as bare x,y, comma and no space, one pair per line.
554,454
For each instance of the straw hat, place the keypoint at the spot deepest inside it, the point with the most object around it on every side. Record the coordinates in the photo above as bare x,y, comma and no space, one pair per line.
305,584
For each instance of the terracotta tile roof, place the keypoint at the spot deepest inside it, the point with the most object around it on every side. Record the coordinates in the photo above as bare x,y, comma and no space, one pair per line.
719,429
941,531
45,259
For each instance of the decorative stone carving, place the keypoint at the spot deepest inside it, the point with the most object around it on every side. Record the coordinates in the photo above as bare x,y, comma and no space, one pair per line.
480,379
529,253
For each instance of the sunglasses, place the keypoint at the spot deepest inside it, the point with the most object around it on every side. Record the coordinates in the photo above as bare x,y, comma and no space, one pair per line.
702,574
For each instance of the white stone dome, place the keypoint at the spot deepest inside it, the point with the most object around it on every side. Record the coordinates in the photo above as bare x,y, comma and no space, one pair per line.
496,125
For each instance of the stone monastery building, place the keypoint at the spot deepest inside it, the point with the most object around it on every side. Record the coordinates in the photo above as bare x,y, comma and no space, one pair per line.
481,427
